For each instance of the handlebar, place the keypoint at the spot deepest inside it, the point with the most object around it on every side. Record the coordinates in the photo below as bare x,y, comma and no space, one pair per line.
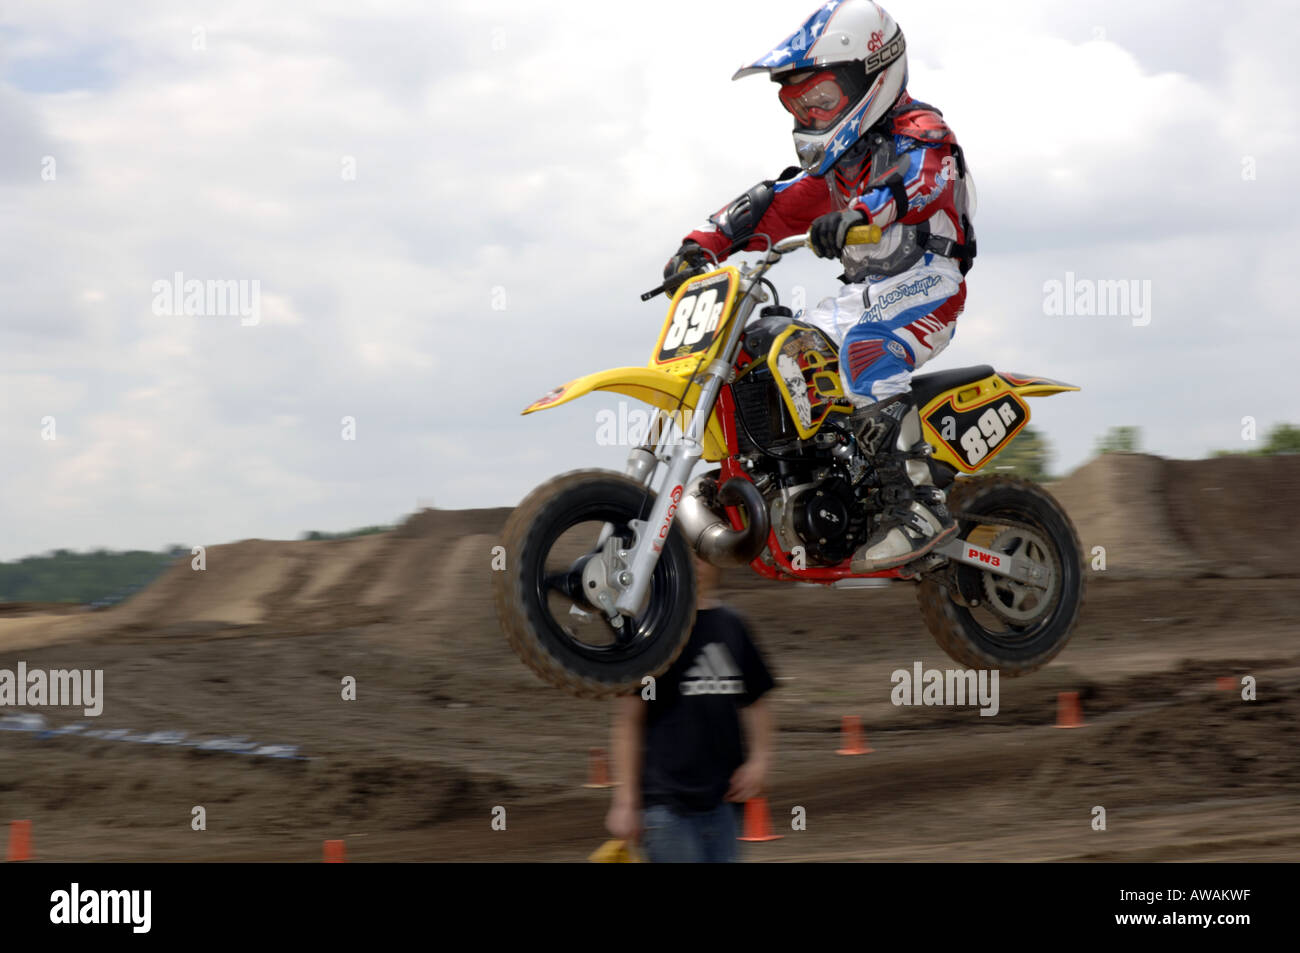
857,235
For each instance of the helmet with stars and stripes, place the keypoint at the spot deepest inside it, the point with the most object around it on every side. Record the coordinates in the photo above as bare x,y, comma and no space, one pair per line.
840,72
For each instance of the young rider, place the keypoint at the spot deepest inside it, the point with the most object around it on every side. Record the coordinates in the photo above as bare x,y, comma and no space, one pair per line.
870,154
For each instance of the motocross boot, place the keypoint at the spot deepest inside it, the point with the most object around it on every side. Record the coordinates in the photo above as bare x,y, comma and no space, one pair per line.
914,518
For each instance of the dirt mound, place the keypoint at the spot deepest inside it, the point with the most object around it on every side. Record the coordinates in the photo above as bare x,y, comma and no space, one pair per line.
417,572
427,581
1230,517
1241,512
1214,742
12,609
433,569
232,587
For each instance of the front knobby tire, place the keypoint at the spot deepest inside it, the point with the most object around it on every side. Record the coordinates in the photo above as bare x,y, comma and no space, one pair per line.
991,625
576,649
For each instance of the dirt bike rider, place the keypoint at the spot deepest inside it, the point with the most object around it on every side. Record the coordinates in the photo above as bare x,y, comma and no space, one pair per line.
870,154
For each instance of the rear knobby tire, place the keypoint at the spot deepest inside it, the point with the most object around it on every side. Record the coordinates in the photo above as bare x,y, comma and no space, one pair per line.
956,628
534,632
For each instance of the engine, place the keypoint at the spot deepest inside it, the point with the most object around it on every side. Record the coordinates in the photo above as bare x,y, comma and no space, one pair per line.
798,448
826,518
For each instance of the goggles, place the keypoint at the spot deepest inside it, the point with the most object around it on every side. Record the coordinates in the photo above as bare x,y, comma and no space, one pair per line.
816,101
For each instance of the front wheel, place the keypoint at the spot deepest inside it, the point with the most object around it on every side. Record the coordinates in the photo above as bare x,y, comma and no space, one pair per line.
539,595
985,620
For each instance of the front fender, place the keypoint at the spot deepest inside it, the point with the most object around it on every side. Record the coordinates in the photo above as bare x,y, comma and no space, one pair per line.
657,388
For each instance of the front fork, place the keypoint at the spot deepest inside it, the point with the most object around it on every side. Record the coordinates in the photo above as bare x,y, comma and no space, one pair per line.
616,580
626,572
633,580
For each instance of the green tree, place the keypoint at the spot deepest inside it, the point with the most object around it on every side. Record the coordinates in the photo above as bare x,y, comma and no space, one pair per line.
66,576
1284,438
1028,455
314,535
1120,440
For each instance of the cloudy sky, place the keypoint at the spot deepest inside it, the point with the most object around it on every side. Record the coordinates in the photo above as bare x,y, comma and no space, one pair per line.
450,208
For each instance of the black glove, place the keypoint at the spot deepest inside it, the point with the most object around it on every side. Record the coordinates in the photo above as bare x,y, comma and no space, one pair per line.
828,231
690,257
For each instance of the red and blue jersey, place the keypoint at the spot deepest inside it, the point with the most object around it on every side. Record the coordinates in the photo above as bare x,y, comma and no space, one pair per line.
902,175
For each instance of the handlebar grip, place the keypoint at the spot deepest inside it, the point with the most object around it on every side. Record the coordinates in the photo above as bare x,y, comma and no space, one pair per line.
672,283
863,235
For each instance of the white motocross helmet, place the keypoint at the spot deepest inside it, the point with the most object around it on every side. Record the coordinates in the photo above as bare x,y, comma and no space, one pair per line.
841,71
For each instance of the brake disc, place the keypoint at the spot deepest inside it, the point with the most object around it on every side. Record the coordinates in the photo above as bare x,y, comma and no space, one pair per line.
1018,602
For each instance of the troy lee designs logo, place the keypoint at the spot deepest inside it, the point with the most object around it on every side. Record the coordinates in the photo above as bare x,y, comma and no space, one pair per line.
901,293
668,517
973,553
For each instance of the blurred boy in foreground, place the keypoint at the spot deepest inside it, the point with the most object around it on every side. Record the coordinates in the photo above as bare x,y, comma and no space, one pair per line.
681,760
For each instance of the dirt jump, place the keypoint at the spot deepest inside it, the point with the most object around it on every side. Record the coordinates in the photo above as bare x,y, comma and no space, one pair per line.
225,689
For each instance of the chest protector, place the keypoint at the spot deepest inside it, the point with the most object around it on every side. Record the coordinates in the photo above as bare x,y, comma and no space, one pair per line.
875,162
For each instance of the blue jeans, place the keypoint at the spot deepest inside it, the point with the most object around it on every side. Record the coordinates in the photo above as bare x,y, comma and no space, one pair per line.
670,837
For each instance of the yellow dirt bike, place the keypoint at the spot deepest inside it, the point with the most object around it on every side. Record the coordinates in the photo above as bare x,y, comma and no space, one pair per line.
599,586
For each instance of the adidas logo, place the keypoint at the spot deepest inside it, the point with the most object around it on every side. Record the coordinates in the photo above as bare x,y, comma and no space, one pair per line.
713,673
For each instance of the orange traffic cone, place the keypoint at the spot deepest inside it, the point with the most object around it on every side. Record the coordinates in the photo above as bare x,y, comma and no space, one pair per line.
1068,712
20,841
598,770
854,741
758,822
334,852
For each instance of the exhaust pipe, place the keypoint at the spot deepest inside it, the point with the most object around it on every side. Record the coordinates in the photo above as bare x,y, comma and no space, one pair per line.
707,528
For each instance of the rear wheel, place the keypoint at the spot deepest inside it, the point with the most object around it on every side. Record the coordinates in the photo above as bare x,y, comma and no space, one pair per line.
540,596
985,620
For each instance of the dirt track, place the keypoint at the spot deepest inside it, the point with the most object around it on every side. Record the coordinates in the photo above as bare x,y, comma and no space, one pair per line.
447,724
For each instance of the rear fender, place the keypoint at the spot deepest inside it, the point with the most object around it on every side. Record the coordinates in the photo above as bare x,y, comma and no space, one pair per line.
972,423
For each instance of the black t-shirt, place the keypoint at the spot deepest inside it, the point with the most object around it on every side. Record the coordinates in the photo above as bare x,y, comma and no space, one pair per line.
693,741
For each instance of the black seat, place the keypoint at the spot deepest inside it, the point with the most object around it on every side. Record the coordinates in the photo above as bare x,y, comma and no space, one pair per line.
926,387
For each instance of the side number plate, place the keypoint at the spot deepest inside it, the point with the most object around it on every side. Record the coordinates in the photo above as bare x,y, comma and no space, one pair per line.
976,434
